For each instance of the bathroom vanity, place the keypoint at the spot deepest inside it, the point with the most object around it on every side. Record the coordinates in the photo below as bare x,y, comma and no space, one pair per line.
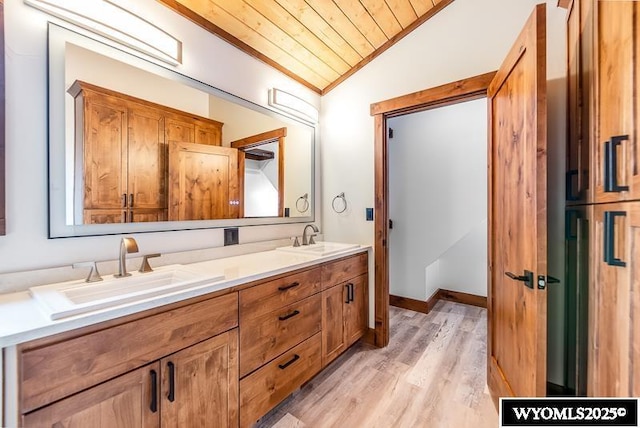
220,354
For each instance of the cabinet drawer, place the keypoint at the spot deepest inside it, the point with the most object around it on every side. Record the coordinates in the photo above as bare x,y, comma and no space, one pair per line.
267,387
272,295
57,370
343,270
267,336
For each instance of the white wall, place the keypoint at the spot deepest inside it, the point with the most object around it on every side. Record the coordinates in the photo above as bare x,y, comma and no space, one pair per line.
467,38
205,57
438,201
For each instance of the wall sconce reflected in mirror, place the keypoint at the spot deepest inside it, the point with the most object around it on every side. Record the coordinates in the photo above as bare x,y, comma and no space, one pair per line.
97,16
292,105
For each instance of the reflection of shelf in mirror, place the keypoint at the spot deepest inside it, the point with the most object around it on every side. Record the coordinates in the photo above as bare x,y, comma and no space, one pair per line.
259,154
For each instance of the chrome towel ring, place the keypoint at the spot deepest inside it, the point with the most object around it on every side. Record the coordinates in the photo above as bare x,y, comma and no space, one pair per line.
337,199
302,204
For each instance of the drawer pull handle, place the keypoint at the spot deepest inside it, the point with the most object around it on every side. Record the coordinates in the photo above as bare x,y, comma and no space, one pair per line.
348,293
154,391
172,382
295,358
286,287
291,315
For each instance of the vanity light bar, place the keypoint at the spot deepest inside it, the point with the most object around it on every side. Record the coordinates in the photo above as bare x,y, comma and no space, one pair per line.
292,105
133,31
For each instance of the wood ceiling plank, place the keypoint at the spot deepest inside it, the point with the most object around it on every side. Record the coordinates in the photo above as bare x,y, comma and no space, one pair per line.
382,15
284,20
234,27
363,21
246,20
334,17
421,6
322,29
403,11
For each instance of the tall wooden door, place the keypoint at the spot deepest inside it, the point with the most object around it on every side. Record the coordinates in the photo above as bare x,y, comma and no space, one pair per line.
203,182
517,342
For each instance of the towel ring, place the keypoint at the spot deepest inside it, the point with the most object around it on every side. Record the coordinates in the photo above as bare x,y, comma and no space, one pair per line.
344,203
304,201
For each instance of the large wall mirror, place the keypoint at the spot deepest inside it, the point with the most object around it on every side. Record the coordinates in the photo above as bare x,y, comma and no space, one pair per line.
136,147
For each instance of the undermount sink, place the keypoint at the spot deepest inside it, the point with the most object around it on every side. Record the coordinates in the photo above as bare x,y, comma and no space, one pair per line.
76,297
320,248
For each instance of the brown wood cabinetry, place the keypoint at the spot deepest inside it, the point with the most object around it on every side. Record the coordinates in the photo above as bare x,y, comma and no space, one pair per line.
604,115
122,155
614,354
187,358
265,388
204,182
344,305
289,325
125,401
200,384
218,361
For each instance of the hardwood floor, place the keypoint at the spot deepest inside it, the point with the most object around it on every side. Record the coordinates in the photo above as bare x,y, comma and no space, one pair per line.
432,374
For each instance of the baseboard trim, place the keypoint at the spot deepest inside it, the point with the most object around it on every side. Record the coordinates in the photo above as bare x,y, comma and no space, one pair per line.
460,297
369,336
440,294
410,304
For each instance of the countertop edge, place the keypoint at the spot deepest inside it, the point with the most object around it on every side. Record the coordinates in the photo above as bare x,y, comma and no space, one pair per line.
50,328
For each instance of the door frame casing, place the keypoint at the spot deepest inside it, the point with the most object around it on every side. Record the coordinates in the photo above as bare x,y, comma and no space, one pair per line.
439,96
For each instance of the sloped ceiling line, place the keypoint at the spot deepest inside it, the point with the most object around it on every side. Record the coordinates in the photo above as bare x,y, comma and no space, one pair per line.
319,43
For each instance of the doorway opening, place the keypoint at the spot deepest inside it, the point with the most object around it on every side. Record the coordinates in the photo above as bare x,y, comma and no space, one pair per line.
452,93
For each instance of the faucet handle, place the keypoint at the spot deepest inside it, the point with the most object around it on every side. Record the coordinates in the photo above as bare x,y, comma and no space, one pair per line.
94,275
296,243
145,266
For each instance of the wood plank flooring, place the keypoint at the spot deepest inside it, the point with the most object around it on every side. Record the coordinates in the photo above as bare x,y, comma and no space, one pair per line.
432,374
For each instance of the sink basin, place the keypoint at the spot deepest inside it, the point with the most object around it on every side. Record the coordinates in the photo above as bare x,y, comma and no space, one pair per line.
320,248
76,297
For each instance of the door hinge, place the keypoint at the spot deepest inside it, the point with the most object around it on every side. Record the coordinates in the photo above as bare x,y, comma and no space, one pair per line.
390,133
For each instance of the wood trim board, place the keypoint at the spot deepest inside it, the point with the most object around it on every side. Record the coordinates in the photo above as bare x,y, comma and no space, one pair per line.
440,294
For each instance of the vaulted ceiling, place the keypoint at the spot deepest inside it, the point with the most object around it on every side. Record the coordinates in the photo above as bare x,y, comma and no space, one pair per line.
317,42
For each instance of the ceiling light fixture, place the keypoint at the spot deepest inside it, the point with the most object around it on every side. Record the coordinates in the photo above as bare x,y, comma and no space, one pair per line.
100,16
293,105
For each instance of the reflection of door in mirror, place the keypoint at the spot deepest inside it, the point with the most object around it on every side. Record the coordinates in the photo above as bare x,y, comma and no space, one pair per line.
203,182
121,154
261,172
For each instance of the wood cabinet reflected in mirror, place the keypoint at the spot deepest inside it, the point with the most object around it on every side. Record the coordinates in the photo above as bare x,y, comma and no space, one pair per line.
3,223
114,119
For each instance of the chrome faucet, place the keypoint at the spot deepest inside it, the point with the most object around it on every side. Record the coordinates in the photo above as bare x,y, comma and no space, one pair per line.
127,245
305,240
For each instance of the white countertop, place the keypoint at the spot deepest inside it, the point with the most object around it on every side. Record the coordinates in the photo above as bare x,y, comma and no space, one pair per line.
21,318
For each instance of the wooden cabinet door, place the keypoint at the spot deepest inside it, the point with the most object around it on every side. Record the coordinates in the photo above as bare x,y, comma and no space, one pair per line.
517,308
127,401
147,158
200,384
614,303
104,154
98,216
579,101
356,310
334,300
208,133
616,154
179,130
203,182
